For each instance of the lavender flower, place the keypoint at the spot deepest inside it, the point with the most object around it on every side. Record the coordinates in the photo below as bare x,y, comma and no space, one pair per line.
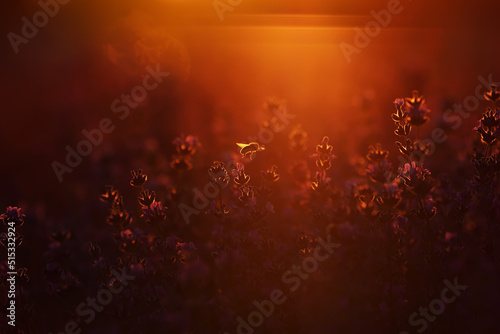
14,215
239,177
493,95
270,176
138,178
414,177
186,145
218,175
416,109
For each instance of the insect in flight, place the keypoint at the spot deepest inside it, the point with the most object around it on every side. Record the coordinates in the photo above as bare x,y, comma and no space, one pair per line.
250,149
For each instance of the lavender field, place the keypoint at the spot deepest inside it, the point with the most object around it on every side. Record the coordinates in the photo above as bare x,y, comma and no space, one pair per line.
239,167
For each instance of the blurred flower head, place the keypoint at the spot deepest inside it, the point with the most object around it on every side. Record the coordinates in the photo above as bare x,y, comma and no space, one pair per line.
154,214
390,196
489,126
298,139
181,162
138,178
247,195
13,214
146,198
4,239
273,104
119,218
186,252
217,212
218,175
324,155
376,154
379,172
416,110
250,149
300,172
365,194
270,175
186,145
22,276
414,178
240,178
94,250
127,240
493,95
321,182
110,196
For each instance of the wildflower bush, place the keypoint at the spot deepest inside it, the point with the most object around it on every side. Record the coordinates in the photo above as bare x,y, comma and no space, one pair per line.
402,228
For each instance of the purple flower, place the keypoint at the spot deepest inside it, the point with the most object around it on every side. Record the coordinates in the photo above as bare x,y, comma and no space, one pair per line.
414,177
154,214
181,162
376,154
217,212
390,196
416,109
186,145
119,218
493,95
138,178
488,126
398,102
380,171
247,195
147,198
186,252
13,214
240,178
321,182
270,175
110,196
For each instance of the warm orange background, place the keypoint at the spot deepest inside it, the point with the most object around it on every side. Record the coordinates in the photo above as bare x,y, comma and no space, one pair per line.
65,79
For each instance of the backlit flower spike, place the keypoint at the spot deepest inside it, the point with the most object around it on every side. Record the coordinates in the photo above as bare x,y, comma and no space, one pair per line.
298,139
493,95
324,155
154,214
415,100
324,148
247,195
250,149
240,178
270,175
274,103
321,182
399,116
414,177
376,154
110,196
146,197
186,145
489,126
416,110
13,214
491,118
138,178
218,175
